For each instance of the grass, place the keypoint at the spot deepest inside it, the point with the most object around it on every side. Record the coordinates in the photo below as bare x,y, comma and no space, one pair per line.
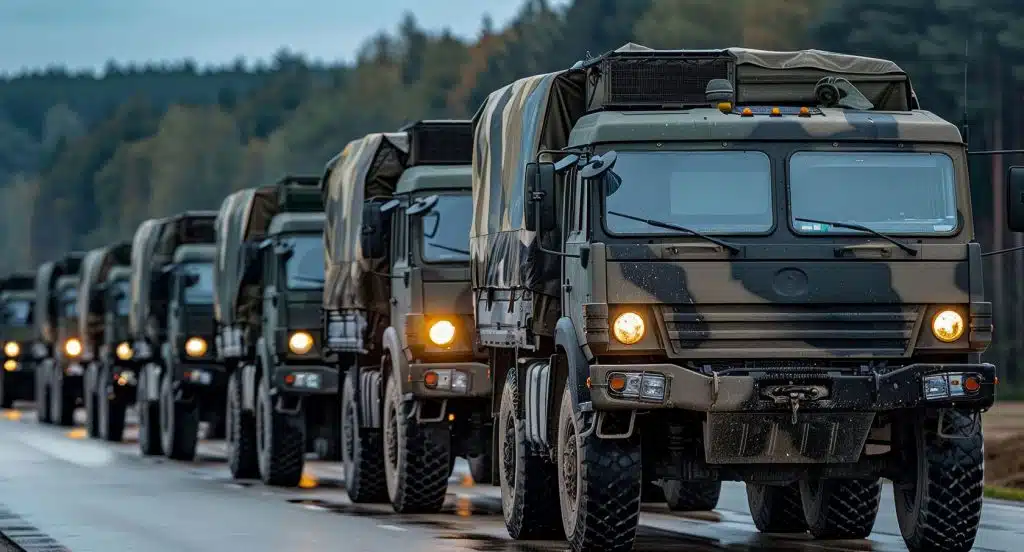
1004,493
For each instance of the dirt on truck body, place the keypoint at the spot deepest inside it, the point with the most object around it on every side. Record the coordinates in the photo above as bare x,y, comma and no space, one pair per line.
698,266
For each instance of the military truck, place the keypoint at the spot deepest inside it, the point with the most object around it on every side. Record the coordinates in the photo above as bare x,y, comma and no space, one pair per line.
171,321
283,397
17,302
398,217
700,266
58,348
111,369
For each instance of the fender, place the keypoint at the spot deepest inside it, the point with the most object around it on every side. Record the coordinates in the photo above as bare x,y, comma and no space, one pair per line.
152,373
578,367
399,362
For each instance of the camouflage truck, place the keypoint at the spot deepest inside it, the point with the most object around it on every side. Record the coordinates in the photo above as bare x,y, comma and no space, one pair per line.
17,302
58,349
398,219
111,369
171,323
269,283
700,266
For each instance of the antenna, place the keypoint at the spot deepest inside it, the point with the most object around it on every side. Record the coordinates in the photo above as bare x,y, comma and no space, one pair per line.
966,123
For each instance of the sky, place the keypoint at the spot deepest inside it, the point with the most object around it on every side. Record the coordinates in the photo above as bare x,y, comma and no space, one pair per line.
87,33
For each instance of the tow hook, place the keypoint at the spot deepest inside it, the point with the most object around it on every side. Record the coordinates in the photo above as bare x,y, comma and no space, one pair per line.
795,395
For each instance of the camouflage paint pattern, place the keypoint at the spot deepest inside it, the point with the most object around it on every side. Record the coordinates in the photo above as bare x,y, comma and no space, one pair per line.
96,268
142,272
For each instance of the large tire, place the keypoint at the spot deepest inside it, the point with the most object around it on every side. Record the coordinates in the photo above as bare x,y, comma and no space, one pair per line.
243,458
90,392
362,451
692,496
840,508
601,482
6,397
179,423
149,419
940,509
776,509
63,404
528,479
416,456
111,411
280,440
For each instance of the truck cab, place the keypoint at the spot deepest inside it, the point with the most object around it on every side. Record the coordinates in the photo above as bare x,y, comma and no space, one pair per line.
59,347
749,274
17,303
282,396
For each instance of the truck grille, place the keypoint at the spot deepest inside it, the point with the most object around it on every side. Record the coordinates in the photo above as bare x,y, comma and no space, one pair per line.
790,331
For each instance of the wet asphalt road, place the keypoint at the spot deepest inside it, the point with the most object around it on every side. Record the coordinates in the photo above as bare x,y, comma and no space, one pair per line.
62,491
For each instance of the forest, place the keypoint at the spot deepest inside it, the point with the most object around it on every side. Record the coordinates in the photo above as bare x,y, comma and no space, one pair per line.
86,156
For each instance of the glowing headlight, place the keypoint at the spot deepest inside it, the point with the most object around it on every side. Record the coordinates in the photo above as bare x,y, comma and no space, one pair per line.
12,349
300,343
948,326
73,347
124,351
195,347
628,328
442,332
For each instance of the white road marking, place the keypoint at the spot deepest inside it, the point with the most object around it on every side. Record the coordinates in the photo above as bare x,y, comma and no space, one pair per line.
391,527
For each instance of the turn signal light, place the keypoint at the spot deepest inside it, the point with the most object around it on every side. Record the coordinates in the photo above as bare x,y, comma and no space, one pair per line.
430,379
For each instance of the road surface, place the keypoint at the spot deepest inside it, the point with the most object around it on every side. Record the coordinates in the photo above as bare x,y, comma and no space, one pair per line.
60,491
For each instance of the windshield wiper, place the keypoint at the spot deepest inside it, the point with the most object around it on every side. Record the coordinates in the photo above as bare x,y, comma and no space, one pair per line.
670,226
862,228
452,249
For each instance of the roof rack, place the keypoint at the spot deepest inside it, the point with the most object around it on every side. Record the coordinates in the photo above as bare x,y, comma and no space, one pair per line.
440,142
671,79
299,194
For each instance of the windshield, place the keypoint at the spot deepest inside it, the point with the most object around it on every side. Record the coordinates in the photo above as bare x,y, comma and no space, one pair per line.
69,303
17,312
200,292
122,291
893,193
446,229
305,267
719,192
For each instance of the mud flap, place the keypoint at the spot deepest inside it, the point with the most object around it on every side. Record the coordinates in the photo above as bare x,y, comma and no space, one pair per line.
153,374
248,381
370,408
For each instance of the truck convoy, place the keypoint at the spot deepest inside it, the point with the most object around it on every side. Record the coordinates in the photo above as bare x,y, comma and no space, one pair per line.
399,306
17,303
634,278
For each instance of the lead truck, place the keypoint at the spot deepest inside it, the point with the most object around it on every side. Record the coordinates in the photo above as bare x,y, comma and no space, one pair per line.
733,265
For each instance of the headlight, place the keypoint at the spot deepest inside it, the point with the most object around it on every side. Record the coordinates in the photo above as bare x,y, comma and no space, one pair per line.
195,347
124,351
948,326
73,347
628,328
12,349
300,343
442,332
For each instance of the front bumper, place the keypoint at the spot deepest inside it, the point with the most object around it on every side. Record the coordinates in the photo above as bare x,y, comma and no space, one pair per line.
303,379
879,392
478,384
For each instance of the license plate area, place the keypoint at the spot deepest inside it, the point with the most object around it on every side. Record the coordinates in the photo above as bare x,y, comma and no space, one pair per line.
773,438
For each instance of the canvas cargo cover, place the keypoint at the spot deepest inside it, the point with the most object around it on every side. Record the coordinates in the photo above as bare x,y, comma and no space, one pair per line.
368,167
538,112
143,244
95,269
46,304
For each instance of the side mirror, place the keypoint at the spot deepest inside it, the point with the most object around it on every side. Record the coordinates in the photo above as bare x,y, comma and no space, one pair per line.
284,250
372,235
599,165
539,200
1015,199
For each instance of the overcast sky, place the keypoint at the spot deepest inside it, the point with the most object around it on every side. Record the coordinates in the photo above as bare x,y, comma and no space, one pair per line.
86,33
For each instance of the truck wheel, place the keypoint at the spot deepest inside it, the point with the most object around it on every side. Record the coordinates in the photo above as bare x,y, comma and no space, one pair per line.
776,509
601,481
692,496
840,508
480,468
63,405
179,423
111,411
940,508
243,460
529,480
362,451
149,418
416,456
280,440
90,393
42,395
